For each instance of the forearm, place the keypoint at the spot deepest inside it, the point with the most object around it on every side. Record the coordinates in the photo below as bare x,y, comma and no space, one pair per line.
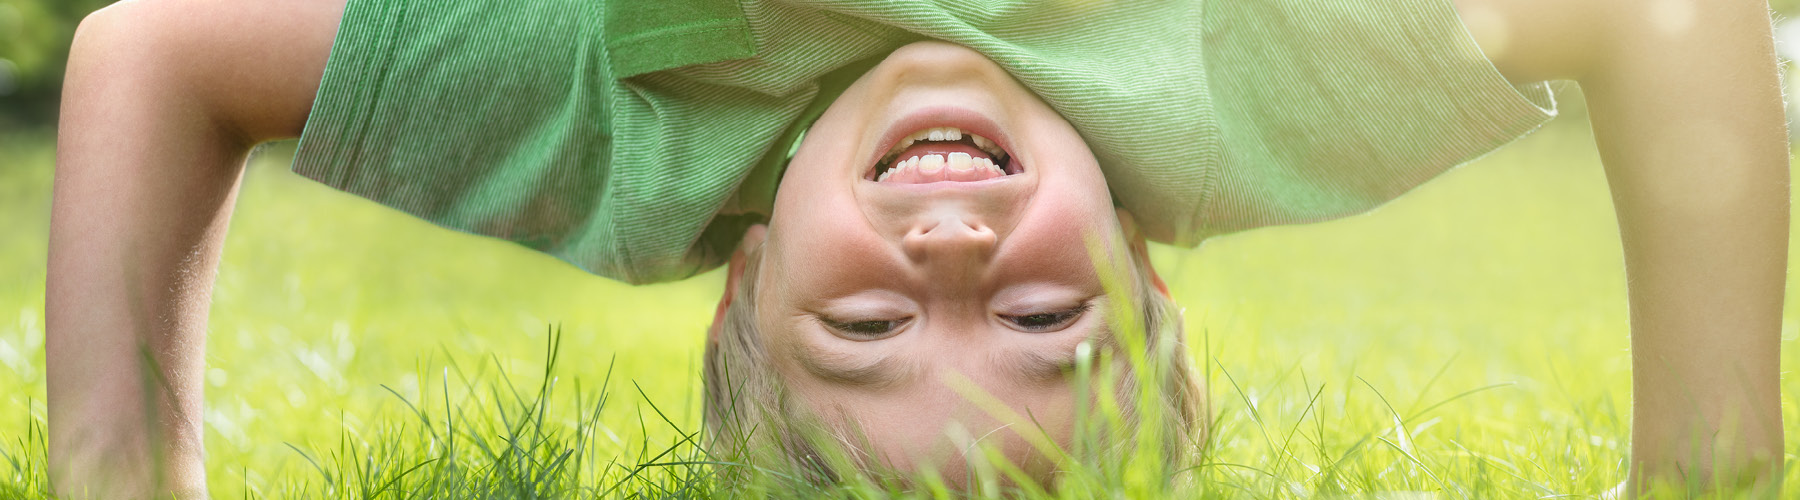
126,319
144,184
1706,285
161,103
1688,119
1686,110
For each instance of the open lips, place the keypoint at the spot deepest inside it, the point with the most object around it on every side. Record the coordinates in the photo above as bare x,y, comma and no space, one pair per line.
940,154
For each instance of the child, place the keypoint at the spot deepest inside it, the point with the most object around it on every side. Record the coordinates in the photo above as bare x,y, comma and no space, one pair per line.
644,141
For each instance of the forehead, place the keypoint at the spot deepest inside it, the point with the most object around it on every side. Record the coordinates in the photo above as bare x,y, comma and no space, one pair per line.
910,411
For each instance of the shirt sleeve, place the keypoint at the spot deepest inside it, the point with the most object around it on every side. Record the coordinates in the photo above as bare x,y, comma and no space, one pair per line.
545,123
1331,108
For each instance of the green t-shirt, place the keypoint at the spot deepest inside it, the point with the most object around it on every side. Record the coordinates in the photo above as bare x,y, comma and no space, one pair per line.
637,139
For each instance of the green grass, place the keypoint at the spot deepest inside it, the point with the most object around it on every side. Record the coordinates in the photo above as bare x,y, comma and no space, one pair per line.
1466,341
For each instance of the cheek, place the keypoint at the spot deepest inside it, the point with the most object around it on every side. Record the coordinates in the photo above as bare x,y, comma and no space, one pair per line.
822,244
1051,243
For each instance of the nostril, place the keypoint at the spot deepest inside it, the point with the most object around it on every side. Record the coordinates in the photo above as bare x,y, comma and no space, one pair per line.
950,237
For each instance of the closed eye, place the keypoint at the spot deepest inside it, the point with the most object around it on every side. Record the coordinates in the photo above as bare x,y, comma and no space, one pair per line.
865,329
1046,321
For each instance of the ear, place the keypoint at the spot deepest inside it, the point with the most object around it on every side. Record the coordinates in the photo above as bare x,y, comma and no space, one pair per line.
1135,239
734,272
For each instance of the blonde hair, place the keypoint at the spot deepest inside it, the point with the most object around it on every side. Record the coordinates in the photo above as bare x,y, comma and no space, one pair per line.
752,420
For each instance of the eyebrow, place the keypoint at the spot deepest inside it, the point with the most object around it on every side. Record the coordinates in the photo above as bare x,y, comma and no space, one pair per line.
887,371
1037,366
1040,367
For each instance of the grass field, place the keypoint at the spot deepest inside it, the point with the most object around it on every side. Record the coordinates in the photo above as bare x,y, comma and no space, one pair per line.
1497,291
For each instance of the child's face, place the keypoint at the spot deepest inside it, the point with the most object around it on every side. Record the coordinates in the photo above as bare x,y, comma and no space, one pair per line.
874,294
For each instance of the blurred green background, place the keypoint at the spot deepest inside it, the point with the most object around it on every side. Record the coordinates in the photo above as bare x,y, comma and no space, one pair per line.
34,45
1504,273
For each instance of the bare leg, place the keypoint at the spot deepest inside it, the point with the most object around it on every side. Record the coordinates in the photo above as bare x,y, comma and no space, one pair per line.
162,102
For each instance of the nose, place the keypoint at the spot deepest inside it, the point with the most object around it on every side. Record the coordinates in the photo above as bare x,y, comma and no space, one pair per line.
950,245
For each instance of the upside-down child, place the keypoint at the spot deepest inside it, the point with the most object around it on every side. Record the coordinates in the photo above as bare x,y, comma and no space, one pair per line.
901,191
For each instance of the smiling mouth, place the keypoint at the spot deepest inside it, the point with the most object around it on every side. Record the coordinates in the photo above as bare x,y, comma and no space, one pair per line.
943,154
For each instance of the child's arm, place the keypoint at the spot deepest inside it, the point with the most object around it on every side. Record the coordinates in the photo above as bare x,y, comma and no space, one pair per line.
162,101
1687,112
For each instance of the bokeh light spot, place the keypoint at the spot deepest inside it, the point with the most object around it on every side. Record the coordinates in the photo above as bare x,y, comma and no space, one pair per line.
1672,17
9,81
1489,28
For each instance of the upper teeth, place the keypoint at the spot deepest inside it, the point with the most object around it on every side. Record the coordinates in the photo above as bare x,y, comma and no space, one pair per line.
946,134
932,168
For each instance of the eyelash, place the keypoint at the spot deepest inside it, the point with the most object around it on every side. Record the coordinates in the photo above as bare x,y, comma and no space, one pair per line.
870,329
1058,319
875,329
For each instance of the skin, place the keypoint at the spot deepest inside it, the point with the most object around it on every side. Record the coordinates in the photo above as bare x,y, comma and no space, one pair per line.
1686,110
947,271
164,99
